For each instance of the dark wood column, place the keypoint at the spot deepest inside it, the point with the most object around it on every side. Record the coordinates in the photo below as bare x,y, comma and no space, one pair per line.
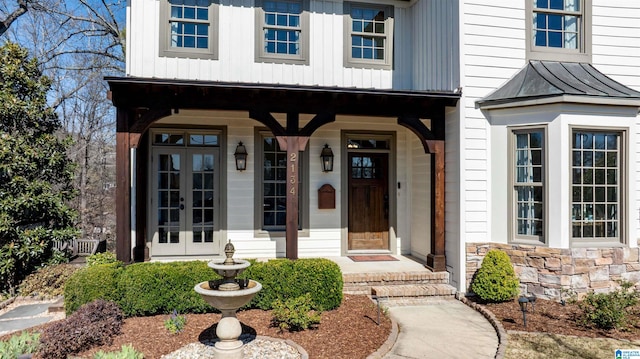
123,187
293,145
436,259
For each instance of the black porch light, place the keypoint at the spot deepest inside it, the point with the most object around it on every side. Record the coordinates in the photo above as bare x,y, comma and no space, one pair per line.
523,301
327,158
241,157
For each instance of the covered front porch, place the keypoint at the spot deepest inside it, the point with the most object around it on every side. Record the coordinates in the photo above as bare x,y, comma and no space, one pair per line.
167,129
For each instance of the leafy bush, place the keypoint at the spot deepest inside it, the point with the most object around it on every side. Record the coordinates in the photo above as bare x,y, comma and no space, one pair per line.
91,283
23,343
295,314
94,324
47,281
101,258
127,352
282,279
496,280
175,323
153,288
609,310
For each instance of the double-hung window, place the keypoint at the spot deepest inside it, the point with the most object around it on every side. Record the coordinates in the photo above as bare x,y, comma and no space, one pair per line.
528,168
559,29
369,31
596,185
282,31
189,28
271,198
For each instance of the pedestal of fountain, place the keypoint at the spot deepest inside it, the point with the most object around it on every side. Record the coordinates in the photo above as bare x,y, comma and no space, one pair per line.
228,295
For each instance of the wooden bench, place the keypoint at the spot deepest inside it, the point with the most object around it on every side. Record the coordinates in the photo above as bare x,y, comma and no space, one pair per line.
79,247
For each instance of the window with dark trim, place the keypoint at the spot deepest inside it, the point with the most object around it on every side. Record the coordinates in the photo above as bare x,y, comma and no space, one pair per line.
596,180
272,182
559,30
528,168
369,35
189,28
282,31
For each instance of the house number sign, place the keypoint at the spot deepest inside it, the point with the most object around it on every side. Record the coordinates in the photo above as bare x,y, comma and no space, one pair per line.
293,157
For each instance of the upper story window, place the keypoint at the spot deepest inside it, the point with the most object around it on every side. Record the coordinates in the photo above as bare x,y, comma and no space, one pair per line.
559,30
528,167
282,31
189,28
369,35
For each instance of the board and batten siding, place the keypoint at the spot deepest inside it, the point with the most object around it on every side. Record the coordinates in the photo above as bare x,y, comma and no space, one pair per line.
425,51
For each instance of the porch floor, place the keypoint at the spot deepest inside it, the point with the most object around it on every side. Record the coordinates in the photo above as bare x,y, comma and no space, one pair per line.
403,264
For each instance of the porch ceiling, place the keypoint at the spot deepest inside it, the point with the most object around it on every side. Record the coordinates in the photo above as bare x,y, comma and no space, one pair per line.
156,94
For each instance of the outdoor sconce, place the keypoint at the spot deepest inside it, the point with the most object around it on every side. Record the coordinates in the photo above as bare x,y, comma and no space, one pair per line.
327,159
241,157
523,301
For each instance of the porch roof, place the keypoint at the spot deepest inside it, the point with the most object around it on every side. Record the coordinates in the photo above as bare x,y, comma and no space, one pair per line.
541,82
152,93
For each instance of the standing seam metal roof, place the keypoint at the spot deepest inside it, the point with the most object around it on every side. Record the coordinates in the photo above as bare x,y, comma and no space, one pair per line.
545,79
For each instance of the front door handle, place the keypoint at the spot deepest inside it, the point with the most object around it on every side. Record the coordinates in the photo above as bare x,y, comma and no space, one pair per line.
181,206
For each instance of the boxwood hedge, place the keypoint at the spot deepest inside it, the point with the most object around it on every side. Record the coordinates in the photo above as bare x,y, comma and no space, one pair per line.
155,288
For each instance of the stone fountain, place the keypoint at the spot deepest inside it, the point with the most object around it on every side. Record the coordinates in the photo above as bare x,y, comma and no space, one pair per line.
227,295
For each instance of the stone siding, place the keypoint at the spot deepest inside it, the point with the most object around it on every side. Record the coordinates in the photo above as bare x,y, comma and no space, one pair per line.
553,273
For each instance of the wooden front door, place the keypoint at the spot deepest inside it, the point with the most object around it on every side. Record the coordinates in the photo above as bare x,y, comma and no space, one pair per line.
368,201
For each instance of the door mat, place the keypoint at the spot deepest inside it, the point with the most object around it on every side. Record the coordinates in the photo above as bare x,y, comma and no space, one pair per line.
376,258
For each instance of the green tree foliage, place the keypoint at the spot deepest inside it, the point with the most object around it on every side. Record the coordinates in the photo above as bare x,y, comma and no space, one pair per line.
35,172
496,280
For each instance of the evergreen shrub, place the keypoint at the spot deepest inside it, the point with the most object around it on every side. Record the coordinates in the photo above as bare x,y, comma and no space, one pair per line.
154,288
496,280
94,324
101,258
91,283
295,314
282,279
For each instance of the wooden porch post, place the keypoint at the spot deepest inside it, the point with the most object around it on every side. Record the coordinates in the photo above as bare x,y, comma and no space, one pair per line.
436,259
293,145
123,187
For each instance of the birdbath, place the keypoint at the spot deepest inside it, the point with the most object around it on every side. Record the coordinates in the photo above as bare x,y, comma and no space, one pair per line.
227,295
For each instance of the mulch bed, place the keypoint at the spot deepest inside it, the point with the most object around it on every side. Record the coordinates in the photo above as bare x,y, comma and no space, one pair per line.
349,331
552,317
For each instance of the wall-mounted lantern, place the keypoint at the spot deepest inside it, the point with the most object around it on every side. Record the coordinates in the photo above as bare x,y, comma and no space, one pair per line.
327,158
241,157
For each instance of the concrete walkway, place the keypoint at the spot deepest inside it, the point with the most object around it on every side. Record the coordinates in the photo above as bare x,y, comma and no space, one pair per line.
445,329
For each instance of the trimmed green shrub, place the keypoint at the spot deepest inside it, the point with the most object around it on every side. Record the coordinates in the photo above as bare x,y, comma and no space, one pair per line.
48,281
127,352
295,314
154,288
282,279
23,343
609,310
91,283
496,280
94,324
101,258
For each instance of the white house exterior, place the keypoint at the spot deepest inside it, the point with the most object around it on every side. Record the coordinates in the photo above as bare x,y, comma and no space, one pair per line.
428,133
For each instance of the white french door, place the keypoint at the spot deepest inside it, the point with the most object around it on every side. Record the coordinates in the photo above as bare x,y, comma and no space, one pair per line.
185,201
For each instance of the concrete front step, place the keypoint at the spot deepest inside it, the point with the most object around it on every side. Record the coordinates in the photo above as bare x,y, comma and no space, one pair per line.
413,290
361,283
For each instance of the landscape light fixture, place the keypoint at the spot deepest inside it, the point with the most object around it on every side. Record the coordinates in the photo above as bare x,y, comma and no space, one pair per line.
327,158
523,301
241,157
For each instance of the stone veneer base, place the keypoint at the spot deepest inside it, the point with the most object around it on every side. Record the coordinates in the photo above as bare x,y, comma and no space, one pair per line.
553,273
